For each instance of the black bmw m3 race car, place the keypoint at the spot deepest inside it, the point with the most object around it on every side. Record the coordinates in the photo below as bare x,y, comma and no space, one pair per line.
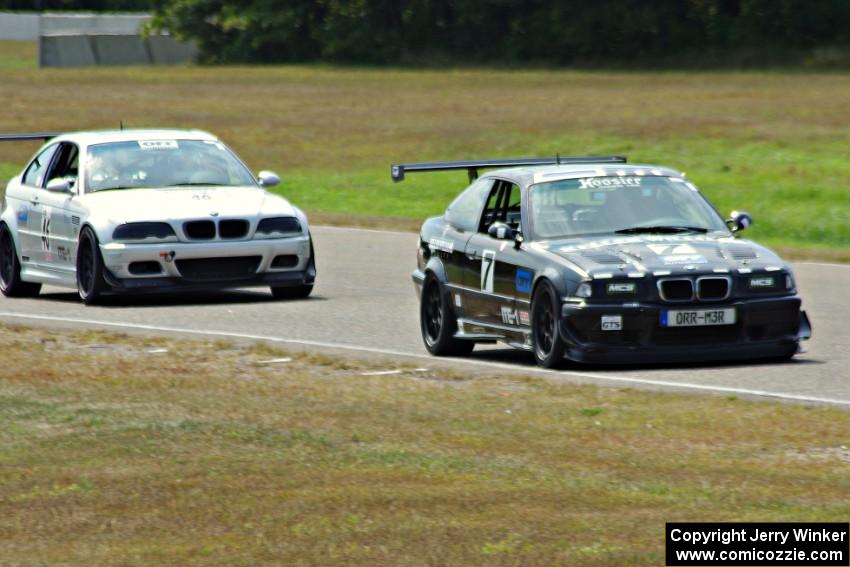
595,260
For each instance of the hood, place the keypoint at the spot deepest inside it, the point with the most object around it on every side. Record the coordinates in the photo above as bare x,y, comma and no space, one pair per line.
131,205
673,254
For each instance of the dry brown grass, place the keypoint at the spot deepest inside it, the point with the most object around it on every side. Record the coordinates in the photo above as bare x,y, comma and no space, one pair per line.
111,454
336,119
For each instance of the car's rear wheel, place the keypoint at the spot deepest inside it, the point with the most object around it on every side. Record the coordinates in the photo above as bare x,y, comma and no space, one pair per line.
11,284
90,282
545,330
438,323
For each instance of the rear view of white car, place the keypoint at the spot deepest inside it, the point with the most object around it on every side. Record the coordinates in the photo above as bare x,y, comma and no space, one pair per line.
148,210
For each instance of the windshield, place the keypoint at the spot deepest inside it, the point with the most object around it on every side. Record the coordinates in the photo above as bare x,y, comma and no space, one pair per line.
624,204
163,163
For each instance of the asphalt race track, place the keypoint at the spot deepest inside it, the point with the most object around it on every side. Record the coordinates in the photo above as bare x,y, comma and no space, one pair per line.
364,303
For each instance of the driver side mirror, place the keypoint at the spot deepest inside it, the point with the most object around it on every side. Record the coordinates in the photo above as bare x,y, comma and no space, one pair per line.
502,231
268,178
59,185
739,220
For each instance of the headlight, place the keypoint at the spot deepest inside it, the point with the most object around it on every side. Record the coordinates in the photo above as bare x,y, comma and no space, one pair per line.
276,226
584,290
143,230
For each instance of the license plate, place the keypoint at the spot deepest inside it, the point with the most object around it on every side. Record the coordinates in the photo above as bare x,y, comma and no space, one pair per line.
697,317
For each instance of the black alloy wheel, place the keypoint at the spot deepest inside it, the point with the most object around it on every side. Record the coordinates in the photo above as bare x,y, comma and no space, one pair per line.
11,284
90,282
548,347
438,323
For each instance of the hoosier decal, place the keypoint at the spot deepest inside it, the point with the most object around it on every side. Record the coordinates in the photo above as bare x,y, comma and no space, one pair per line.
608,182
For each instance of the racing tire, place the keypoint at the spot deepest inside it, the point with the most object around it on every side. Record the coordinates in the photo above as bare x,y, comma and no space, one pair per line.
438,323
545,330
11,284
292,292
90,282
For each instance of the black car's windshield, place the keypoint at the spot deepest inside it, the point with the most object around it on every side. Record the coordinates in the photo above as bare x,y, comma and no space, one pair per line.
163,163
620,205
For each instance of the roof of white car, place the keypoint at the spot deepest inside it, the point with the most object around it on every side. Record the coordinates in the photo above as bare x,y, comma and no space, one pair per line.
90,137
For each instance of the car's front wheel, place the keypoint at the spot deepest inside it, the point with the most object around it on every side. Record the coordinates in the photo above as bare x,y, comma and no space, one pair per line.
292,292
545,331
11,284
301,291
438,323
90,282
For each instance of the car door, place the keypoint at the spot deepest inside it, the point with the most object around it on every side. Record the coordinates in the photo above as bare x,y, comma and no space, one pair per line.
31,218
461,222
497,272
62,220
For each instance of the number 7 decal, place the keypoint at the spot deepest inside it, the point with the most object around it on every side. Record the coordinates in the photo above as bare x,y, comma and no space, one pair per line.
488,266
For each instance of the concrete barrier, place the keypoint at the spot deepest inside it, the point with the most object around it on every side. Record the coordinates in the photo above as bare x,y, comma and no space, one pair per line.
165,50
65,51
18,27
81,40
89,50
53,23
119,50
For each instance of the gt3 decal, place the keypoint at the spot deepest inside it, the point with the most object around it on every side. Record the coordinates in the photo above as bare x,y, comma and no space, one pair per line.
488,266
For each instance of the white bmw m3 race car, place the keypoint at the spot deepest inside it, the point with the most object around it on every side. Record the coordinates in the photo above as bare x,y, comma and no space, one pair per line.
148,210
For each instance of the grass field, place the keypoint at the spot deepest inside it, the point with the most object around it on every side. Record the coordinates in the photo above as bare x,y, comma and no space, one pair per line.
772,143
120,450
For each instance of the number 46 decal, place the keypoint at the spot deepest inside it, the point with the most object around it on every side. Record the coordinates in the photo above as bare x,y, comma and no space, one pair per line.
45,233
488,266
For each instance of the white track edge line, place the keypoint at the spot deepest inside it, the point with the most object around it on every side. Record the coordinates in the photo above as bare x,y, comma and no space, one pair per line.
515,369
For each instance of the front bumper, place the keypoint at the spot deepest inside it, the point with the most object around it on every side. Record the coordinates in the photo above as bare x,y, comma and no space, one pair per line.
764,328
168,257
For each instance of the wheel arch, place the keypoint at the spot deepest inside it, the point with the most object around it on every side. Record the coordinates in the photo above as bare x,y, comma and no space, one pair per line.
554,277
435,266
9,219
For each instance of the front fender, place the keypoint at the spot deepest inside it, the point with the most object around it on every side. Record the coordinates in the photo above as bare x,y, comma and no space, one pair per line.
556,277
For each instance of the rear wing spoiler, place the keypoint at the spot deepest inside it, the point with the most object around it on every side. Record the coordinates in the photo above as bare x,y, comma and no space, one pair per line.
472,166
29,136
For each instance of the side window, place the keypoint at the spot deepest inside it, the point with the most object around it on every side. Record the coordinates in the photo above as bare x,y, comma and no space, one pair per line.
34,176
513,214
464,212
66,164
502,206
